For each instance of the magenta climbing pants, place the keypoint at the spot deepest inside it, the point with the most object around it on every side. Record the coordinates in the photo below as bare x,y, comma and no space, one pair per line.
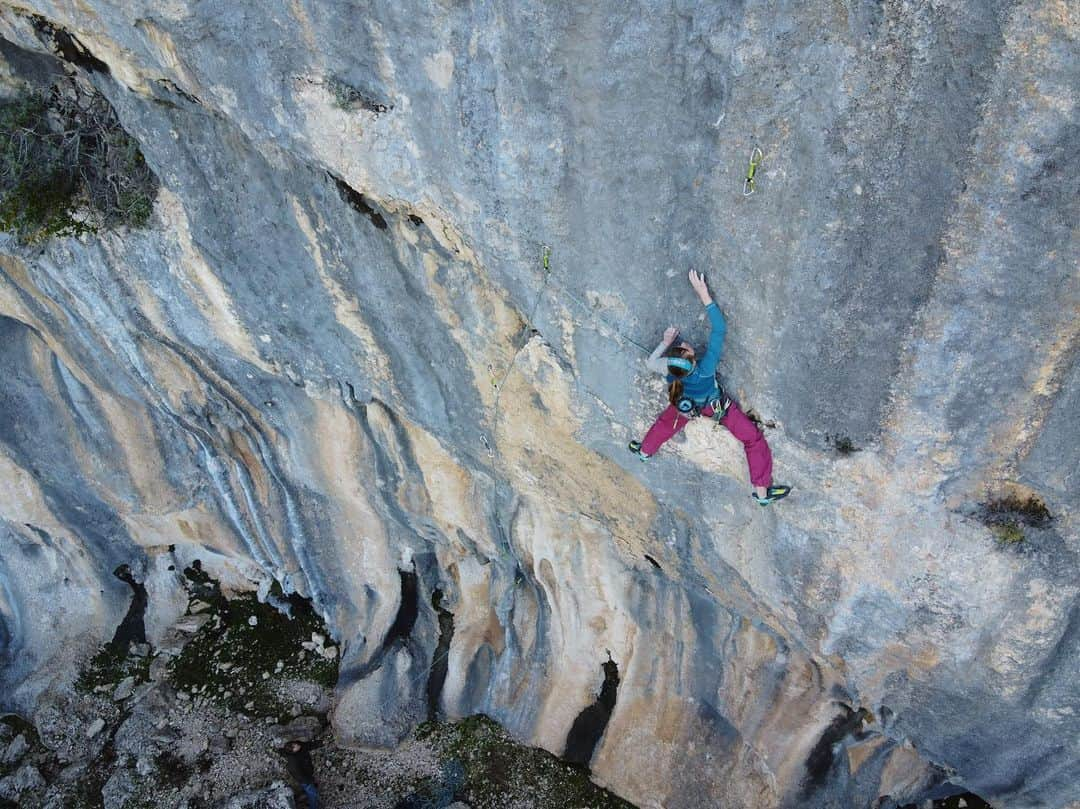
758,456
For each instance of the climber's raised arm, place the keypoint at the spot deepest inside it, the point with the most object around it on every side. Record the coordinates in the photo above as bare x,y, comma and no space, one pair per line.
656,359
707,364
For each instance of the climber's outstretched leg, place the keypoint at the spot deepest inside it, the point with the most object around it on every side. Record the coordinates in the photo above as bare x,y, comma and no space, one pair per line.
666,425
758,455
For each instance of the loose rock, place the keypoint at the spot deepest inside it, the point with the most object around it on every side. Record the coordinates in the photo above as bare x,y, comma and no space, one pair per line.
124,689
15,750
191,623
25,779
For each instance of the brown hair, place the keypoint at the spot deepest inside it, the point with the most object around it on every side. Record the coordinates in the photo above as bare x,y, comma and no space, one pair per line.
675,387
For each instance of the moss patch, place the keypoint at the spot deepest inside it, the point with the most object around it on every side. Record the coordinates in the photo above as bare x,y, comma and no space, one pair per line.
1008,533
111,665
841,443
244,648
495,771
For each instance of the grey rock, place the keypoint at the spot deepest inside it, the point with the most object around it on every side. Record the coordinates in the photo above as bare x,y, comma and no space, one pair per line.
220,744
295,375
124,689
61,720
304,728
15,750
119,788
142,691
159,668
25,779
73,772
140,649
95,727
190,624
275,796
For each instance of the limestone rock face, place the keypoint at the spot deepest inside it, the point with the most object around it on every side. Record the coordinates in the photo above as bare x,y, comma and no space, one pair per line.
336,359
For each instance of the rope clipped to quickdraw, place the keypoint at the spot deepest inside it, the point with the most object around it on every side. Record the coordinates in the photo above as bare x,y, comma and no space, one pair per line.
750,184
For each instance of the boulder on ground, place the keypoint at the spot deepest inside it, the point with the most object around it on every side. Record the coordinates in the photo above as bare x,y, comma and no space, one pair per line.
15,750
275,796
25,779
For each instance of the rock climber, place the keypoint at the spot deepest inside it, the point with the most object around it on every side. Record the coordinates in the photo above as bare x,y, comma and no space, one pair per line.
693,390
298,762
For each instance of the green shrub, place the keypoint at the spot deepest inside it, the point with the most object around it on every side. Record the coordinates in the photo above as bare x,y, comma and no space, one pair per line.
68,167
841,443
38,180
1009,514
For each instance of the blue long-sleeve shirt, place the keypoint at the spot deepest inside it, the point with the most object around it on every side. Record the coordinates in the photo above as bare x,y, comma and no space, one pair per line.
699,384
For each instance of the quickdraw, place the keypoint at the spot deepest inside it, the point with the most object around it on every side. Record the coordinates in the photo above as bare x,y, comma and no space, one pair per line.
749,184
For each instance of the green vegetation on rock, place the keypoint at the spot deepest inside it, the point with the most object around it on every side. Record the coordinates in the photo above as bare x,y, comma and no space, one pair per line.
244,647
1008,533
1007,516
841,443
496,771
110,665
68,167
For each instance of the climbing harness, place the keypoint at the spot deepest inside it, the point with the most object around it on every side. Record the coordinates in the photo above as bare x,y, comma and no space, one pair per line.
691,409
750,184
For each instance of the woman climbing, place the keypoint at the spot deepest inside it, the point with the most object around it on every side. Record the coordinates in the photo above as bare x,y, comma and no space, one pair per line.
692,389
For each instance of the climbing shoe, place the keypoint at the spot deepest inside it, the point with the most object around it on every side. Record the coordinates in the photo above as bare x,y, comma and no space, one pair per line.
635,447
772,494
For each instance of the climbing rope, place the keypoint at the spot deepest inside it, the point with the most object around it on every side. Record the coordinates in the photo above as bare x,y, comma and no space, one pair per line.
749,184
545,261
592,313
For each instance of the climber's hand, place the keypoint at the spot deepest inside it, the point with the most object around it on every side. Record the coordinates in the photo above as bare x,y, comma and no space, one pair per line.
697,281
670,333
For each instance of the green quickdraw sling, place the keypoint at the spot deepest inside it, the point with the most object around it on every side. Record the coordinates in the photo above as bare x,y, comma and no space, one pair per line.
750,184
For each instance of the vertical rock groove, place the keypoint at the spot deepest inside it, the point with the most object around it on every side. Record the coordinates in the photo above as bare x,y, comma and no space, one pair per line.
590,724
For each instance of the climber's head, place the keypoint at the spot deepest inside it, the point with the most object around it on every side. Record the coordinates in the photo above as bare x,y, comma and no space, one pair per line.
680,359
